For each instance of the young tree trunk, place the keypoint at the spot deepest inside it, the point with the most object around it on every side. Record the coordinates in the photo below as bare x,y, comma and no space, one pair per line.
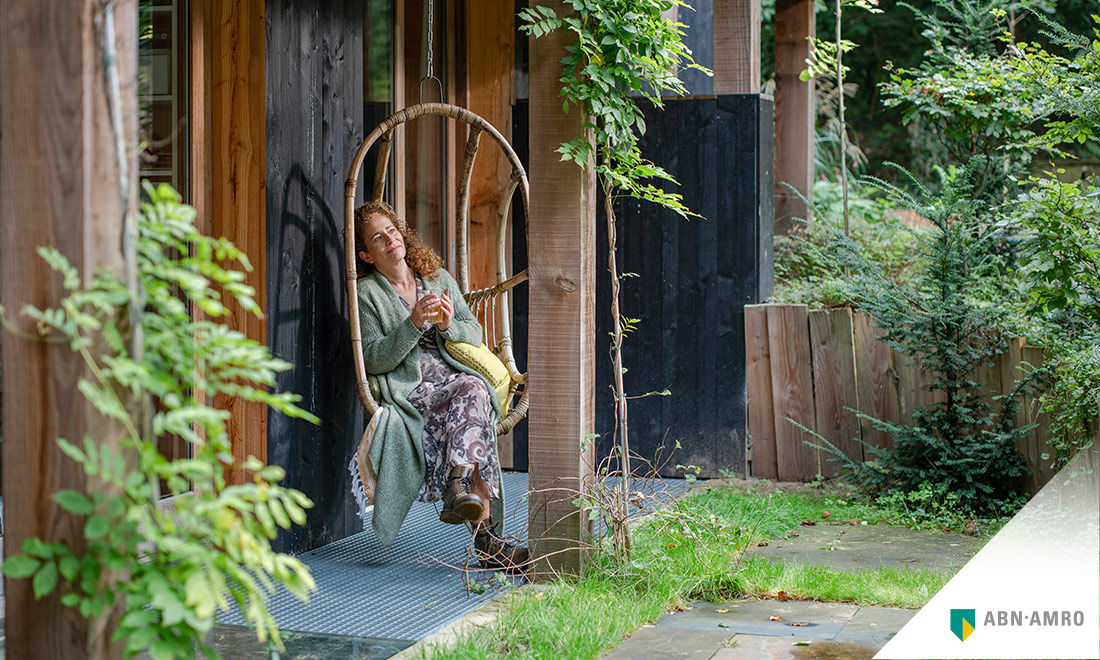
840,118
621,441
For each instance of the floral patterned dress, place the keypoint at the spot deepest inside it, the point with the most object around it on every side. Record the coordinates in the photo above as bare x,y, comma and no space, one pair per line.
458,419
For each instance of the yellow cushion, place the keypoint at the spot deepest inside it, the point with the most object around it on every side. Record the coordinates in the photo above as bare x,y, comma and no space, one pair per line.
484,362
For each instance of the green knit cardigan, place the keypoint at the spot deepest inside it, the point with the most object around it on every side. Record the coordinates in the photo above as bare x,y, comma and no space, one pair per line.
392,357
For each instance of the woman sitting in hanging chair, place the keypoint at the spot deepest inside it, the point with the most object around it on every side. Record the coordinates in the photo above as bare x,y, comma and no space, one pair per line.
438,440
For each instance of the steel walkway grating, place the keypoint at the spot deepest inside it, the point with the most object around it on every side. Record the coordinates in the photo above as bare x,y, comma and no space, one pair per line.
368,590
398,593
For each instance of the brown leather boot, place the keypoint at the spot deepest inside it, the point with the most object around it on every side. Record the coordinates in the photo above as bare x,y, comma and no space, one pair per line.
496,554
460,503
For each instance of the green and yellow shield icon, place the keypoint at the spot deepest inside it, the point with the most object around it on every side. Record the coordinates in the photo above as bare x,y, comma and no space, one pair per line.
962,623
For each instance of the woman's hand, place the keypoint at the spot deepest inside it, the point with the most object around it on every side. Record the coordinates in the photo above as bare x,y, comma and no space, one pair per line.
446,311
426,309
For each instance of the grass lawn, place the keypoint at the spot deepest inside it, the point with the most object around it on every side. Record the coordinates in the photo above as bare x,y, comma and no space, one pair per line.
695,550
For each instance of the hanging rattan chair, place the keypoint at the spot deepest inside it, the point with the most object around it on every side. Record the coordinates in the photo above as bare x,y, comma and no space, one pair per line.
490,304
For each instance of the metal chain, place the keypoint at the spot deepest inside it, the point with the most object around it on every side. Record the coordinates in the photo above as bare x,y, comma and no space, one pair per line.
431,37
430,75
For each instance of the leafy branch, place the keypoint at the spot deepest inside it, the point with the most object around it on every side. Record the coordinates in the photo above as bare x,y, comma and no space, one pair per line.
624,50
170,570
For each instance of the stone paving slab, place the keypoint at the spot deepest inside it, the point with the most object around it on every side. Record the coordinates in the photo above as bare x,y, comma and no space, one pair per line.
874,625
745,629
660,643
754,617
859,547
750,647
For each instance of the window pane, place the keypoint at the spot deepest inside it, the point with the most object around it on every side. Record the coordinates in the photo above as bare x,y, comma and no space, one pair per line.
162,92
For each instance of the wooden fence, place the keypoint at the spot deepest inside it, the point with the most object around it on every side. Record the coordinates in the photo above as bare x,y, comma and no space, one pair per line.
812,366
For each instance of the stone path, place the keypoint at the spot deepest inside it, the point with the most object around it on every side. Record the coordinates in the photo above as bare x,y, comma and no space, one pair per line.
766,629
858,547
804,630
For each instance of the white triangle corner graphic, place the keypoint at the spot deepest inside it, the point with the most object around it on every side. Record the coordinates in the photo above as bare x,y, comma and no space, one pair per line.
1034,587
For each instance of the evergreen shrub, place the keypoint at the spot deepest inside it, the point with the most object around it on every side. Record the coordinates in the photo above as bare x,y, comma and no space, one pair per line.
946,321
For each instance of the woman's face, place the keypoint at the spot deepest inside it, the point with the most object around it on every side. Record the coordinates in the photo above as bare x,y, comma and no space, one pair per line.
385,245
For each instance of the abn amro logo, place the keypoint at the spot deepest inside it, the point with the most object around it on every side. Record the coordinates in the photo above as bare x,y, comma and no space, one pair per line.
962,623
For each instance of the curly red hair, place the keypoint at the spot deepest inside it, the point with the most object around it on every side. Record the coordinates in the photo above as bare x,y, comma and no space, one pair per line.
421,258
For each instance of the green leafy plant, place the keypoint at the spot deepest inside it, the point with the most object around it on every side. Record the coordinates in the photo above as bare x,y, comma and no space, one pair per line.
168,569
959,443
805,270
1060,249
830,131
1060,257
625,50
978,107
1070,83
967,103
926,506
972,25
1060,246
1072,398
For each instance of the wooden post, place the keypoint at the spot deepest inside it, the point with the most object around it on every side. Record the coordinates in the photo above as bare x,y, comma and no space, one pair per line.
235,147
490,57
561,224
59,186
794,111
737,46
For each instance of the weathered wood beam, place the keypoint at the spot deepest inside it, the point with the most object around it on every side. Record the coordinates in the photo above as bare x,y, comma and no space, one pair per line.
736,46
236,147
59,186
561,230
490,60
794,111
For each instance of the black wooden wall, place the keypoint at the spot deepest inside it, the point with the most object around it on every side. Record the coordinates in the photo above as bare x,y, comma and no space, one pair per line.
314,124
695,276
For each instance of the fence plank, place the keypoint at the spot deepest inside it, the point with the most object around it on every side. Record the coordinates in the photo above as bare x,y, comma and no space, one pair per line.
876,384
758,389
1008,365
1042,469
792,390
1036,444
834,376
910,385
798,356
988,378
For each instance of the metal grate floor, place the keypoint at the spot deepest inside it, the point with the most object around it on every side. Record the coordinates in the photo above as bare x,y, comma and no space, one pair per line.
405,591
399,592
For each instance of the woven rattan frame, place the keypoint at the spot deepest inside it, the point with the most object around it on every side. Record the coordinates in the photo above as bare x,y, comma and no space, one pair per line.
490,304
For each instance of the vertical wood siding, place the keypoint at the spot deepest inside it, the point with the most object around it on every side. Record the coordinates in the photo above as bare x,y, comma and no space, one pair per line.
314,124
695,276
